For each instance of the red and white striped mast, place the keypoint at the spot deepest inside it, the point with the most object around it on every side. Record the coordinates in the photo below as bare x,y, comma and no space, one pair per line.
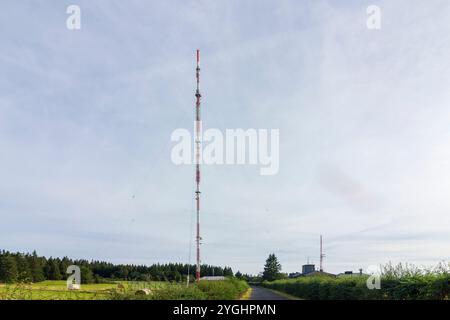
198,133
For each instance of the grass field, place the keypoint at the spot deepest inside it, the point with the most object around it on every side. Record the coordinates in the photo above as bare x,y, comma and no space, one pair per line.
57,290
120,290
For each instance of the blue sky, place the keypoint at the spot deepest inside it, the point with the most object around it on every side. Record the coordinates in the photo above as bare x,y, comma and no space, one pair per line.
86,118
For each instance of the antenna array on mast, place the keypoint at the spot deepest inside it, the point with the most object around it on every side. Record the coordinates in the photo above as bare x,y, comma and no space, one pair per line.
198,128
322,255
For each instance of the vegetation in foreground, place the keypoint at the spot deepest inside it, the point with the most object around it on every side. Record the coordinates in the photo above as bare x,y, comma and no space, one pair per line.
31,277
228,289
54,290
400,282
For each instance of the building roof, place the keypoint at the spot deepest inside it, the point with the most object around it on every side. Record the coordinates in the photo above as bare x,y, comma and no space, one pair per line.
213,278
319,273
355,274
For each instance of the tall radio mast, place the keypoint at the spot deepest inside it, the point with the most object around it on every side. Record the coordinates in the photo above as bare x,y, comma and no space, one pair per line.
198,130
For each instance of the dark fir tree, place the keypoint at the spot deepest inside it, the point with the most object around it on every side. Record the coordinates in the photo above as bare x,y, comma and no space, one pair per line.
86,274
63,265
52,270
36,267
228,272
23,268
8,269
272,268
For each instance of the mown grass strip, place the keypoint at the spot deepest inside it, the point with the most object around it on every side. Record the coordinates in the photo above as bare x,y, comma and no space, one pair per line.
247,294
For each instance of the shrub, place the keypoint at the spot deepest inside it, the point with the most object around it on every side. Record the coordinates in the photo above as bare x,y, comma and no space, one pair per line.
213,290
223,289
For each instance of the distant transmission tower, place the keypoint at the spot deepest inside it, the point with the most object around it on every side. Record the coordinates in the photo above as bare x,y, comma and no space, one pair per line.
198,129
322,255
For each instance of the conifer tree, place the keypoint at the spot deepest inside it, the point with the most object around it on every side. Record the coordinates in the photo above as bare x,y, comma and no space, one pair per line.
272,268
36,267
8,269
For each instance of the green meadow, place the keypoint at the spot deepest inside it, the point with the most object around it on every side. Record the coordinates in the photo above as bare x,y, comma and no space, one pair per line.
124,290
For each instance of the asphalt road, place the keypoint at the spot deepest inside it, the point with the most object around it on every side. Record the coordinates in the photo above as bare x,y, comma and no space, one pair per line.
259,293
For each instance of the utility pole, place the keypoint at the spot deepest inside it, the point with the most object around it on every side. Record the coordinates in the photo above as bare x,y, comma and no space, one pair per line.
322,255
198,132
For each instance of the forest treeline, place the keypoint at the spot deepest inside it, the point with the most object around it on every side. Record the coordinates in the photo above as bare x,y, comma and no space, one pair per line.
26,267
